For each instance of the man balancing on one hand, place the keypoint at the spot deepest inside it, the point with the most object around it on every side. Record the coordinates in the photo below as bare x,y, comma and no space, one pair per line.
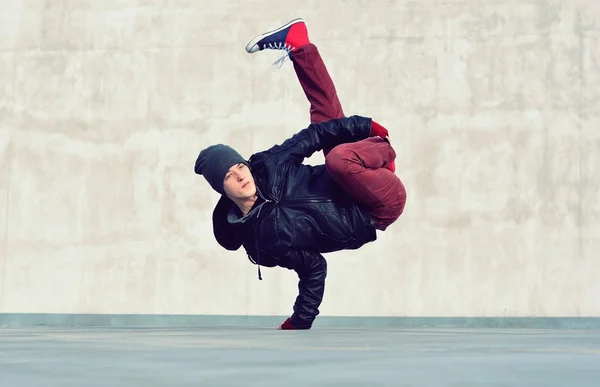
287,214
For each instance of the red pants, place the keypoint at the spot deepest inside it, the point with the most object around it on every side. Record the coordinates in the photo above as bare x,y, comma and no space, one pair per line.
357,167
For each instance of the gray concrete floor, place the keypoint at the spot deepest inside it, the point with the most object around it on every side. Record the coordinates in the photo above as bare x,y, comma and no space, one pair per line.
321,357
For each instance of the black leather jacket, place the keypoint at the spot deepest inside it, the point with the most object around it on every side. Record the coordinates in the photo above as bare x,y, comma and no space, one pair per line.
300,214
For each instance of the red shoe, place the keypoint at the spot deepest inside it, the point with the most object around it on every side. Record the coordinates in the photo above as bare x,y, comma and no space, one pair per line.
288,37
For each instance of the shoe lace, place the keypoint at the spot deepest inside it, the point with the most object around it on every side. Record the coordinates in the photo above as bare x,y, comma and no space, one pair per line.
279,62
280,46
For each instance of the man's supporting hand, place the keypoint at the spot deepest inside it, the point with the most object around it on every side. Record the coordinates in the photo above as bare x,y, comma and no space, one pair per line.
311,268
287,325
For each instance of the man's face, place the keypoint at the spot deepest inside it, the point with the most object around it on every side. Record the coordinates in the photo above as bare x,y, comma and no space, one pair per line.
239,183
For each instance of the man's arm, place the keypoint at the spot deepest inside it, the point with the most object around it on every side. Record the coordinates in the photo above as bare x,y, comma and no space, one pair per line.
321,135
311,268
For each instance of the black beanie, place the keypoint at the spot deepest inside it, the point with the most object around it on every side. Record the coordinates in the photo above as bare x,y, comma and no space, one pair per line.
214,162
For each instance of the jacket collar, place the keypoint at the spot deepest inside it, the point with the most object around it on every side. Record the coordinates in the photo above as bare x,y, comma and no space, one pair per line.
230,227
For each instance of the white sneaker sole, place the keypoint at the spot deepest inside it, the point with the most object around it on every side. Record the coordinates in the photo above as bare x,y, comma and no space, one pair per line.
252,47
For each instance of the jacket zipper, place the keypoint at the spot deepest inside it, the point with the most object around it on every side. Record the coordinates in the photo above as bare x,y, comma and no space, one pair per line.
312,200
270,199
267,199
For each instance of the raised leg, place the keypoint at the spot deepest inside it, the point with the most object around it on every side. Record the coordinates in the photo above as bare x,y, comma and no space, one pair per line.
316,84
310,69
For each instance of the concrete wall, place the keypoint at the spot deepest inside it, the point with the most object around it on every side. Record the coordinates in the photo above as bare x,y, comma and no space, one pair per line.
494,109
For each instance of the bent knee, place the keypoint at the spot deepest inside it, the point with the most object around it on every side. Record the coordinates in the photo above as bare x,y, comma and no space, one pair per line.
401,192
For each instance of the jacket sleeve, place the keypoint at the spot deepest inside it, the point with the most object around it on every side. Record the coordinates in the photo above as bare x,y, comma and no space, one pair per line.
311,268
321,135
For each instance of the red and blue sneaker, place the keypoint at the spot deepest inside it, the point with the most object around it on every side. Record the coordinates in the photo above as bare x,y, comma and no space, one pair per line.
288,37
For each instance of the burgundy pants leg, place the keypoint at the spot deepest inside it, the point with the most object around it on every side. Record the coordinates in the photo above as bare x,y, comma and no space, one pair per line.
357,167
360,168
317,85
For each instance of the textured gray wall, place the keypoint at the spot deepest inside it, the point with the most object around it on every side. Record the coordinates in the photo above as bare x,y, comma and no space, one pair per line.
493,107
